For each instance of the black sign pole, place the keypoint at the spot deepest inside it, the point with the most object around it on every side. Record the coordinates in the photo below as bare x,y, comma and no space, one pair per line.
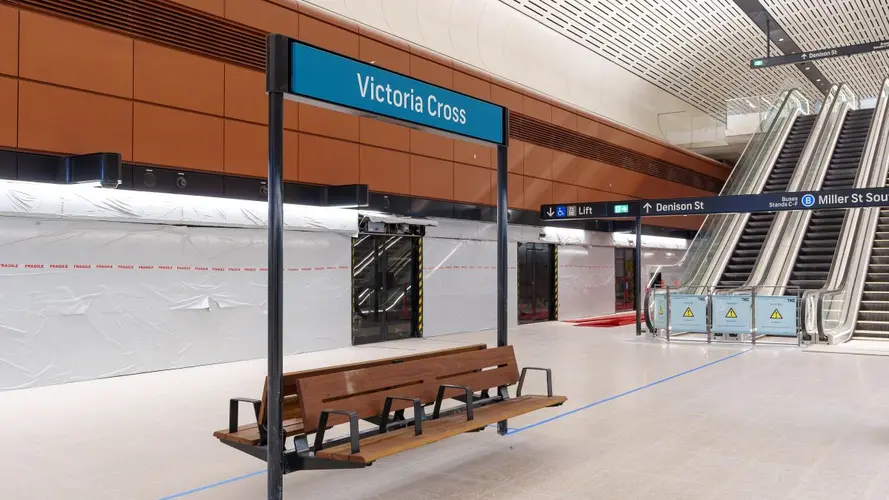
502,248
276,85
637,278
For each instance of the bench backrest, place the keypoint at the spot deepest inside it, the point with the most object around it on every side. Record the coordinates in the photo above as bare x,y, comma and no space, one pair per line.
292,407
364,390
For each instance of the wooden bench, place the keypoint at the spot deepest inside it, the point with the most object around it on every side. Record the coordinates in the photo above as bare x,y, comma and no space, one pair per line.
375,391
254,434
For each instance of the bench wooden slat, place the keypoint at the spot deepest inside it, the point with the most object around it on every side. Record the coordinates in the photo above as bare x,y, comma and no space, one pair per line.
383,445
364,390
249,434
289,391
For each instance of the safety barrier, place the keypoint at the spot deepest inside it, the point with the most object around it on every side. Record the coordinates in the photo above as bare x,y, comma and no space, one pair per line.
745,315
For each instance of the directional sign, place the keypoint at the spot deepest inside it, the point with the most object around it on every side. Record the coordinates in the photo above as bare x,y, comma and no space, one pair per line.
731,314
748,203
688,313
776,315
849,50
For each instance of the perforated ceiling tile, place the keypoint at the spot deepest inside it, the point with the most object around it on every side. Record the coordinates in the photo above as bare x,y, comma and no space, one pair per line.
700,50
817,24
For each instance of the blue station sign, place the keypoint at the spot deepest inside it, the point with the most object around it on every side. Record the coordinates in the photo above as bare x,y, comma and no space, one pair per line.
339,82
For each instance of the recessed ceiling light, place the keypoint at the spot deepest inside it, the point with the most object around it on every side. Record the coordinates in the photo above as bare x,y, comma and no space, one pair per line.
808,68
780,39
818,80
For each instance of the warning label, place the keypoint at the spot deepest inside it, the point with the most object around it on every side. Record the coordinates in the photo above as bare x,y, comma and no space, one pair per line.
776,314
731,313
688,313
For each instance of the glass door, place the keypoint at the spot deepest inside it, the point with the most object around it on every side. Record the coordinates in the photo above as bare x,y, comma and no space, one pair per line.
624,272
536,277
384,276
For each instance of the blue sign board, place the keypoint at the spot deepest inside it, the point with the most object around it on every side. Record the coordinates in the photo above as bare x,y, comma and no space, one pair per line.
338,81
776,315
731,314
660,310
688,313
742,203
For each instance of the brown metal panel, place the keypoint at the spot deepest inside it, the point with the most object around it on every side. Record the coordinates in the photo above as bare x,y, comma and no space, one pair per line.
432,72
384,135
433,145
71,121
215,7
537,192
74,55
385,170
327,161
9,40
472,184
385,56
321,121
263,15
474,154
538,161
471,85
179,79
328,36
564,193
166,136
537,109
431,178
508,98
566,168
515,189
246,149
9,94
564,118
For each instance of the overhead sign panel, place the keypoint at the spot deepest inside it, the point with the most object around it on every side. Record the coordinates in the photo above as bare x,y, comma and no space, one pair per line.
802,57
766,202
340,82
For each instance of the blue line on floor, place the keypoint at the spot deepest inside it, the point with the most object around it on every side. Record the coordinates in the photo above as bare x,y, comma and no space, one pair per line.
627,393
508,432
208,486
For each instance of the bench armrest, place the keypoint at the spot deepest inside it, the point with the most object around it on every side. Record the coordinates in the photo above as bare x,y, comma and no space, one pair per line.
418,414
549,380
440,397
322,427
233,412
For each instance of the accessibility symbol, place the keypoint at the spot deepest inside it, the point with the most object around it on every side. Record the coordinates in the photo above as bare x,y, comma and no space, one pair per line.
731,313
776,315
688,313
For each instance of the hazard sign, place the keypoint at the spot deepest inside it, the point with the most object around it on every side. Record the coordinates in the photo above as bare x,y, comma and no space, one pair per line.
688,313
660,315
776,315
731,314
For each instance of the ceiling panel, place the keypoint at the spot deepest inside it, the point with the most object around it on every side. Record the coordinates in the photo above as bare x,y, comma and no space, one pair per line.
817,24
700,50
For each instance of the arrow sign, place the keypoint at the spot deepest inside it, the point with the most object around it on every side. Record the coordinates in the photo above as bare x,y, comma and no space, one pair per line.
550,212
647,207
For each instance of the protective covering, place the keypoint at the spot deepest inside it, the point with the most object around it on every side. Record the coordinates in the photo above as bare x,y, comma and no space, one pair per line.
84,294
586,281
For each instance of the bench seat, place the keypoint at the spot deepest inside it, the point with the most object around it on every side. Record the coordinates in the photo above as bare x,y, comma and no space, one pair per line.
390,443
249,434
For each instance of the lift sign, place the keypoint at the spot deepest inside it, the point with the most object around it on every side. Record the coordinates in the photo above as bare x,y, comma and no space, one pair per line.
337,81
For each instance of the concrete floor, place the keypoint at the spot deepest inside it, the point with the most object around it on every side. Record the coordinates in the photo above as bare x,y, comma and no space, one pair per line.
644,420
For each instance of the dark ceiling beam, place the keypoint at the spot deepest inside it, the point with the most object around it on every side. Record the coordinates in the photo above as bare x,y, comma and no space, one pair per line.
781,39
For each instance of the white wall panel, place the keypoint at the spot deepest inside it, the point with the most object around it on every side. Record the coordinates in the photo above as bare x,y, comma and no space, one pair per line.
496,38
460,286
586,281
86,299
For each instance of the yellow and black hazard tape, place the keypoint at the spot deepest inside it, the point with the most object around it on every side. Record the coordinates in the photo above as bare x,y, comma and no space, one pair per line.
420,287
556,283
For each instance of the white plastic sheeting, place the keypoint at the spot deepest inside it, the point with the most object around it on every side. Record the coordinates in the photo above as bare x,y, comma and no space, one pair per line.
81,300
97,283
460,285
586,281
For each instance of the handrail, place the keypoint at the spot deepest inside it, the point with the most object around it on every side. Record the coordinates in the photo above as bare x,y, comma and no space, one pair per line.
754,165
836,308
785,237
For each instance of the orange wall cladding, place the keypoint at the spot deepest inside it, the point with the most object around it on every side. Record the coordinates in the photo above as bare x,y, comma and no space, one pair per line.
67,87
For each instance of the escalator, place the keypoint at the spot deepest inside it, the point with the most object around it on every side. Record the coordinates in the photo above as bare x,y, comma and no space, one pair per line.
820,241
747,250
873,314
